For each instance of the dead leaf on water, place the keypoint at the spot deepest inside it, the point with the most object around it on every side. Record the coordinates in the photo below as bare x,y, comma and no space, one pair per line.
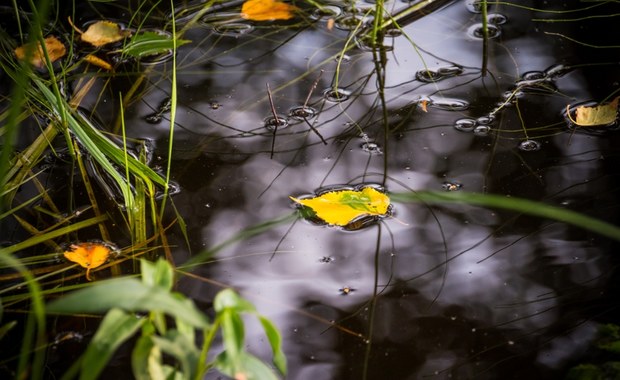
341,207
55,50
603,114
267,10
94,60
104,32
89,255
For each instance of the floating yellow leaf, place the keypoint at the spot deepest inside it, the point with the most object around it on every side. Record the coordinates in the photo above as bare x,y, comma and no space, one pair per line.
55,50
341,207
267,10
94,60
103,33
602,114
89,255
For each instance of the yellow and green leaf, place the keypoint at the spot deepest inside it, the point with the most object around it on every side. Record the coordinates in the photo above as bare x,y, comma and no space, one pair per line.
339,208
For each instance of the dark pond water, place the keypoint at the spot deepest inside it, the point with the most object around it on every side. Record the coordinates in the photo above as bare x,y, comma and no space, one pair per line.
441,292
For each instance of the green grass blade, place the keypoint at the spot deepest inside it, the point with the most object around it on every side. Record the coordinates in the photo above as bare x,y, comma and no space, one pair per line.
131,295
117,327
520,205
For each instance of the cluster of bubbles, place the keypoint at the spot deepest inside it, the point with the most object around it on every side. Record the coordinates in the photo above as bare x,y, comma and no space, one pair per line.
494,20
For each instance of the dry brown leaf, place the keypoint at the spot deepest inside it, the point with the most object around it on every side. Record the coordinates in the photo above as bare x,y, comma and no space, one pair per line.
603,114
55,50
267,10
103,33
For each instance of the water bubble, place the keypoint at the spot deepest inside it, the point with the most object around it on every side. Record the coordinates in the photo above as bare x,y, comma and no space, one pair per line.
485,120
271,122
474,6
436,74
496,18
336,95
349,22
371,147
529,145
482,130
465,125
327,11
451,186
533,75
557,71
233,29
393,32
449,104
302,113
477,31
343,58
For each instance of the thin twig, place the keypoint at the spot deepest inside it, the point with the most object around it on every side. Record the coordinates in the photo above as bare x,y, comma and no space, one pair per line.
275,117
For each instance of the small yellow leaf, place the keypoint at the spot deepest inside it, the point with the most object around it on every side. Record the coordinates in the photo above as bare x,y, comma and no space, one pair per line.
89,255
267,10
103,33
94,60
341,207
55,50
602,114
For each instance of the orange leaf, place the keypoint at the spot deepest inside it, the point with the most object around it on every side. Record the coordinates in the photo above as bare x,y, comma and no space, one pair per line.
601,114
94,60
89,255
267,10
55,50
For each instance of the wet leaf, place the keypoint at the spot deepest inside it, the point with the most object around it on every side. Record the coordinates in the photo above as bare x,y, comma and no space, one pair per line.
602,114
89,255
267,10
55,50
151,43
103,33
94,60
340,208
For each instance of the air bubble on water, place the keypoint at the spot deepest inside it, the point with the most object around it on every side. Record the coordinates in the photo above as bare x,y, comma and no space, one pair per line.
326,12
451,186
482,130
474,6
271,123
465,125
336,95
477,31
496,18
430,75
485,120
371,147
302,113
349,22
529,145
449,104
533,75
556,71
233,29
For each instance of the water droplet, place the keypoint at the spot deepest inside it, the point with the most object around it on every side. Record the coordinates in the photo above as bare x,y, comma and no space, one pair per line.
302,113
336,95
482,130
477,31
271,122
529,146
465,125
496,18
372,148
448,104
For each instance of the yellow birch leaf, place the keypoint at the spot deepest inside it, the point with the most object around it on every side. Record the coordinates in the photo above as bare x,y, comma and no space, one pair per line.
89,255
341,207
267,10
103,33
602,114
55,50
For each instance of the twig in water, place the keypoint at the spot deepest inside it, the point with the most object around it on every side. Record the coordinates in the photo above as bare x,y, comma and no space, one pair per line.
275,119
